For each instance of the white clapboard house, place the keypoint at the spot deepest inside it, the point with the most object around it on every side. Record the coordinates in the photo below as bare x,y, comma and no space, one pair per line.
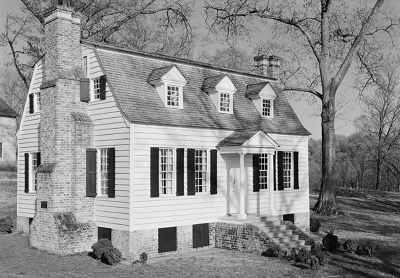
175,145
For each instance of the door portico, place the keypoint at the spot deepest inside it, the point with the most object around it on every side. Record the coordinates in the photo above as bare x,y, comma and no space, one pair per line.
236,148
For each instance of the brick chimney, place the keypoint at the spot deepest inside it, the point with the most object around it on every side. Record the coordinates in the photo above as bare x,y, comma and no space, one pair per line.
268,66
63,222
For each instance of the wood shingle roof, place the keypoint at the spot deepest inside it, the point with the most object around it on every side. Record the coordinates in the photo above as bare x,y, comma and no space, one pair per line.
128,73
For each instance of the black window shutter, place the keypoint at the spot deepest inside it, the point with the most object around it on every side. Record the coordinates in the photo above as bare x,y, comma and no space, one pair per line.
274,161
31,104
200,235
180,171
91,172
111,172
256,172
84,90
38,159
103,86
296,169
280,171
191,190
154,172
26,172
214,172
167,240
104,233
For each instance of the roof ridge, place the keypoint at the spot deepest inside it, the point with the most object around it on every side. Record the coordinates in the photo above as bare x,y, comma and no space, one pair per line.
175,59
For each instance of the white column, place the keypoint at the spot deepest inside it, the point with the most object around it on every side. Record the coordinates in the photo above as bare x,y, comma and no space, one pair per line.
243,188
228,188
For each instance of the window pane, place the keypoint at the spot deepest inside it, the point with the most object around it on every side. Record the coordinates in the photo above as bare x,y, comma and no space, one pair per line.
225,102
200,159
287,169
173,98
266,107
167,171
103,172
263,171
96,88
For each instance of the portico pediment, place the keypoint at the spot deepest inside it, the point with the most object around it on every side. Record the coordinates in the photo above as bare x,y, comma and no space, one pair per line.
248,142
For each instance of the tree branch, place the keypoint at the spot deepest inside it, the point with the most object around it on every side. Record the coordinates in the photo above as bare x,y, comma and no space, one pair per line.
304,90
355,45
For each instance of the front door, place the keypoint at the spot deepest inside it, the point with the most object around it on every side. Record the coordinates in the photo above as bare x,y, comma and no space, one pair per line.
234,190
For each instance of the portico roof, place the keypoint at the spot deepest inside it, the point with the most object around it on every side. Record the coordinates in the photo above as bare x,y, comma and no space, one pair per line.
249,141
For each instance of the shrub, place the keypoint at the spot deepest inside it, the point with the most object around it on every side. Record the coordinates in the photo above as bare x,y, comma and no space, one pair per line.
271,252
303,257
315,224
104,251
6,225
317,250
314,262
350,245
143,258
330,242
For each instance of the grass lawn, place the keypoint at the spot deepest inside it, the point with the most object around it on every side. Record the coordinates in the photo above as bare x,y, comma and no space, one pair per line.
376,217
367,216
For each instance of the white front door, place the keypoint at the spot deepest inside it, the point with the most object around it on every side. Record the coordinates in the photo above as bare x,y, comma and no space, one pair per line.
234,188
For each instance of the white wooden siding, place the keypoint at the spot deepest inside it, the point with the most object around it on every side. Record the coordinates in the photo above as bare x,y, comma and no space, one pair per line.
110,130
282,202
164,211
28,141
149,213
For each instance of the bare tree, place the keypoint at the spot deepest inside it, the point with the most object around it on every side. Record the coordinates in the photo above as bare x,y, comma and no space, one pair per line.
331,32
381,121
151,25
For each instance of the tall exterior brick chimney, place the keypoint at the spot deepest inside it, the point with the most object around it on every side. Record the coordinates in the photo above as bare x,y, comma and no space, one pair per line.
268,66
63,222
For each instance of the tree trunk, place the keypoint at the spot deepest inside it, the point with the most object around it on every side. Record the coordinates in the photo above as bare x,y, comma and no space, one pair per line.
378,170
326,204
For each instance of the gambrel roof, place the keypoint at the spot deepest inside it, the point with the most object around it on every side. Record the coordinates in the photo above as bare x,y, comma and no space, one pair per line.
5,110
128,73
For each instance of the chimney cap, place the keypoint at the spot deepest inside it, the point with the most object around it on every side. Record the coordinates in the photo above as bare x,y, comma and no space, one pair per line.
64,3
266,58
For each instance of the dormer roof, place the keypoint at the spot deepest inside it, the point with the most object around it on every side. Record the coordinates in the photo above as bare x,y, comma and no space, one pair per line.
262,89
218,83
169,73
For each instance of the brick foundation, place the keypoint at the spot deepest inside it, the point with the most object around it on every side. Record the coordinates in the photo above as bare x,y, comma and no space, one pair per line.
241,237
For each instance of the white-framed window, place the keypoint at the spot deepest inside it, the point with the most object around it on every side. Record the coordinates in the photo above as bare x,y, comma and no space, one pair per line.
1,151
85,66
167,171
173,98
267,107
102,172
201,166
34,162
263,171
225,102
96,88
287,167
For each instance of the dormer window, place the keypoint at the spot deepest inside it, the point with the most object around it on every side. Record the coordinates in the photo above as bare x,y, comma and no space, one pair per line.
263,96
174,98
221,90
225,102
267,107
169,84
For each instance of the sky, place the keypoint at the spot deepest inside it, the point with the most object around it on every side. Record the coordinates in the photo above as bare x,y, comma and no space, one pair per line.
307,110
